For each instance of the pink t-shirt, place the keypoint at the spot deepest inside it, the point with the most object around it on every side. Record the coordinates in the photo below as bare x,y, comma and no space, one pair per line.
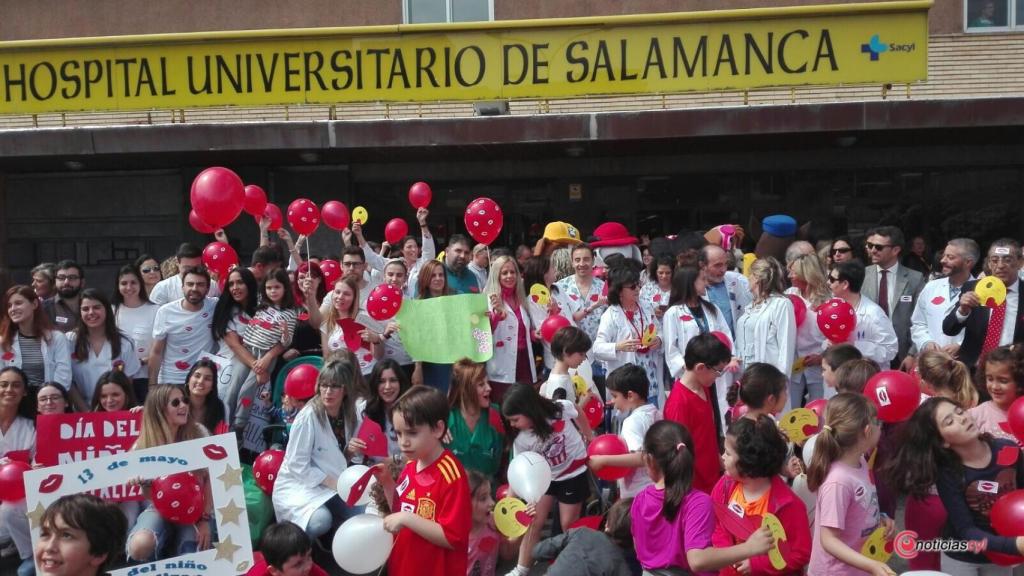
847,501
663,544
987,417
483,552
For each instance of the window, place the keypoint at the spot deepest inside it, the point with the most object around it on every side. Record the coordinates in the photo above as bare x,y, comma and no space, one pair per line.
432,11
993,15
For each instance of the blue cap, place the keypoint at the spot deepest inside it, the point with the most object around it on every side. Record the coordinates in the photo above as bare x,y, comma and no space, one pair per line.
779,225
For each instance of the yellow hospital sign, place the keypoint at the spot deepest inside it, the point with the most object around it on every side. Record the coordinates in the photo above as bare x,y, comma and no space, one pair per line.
721,50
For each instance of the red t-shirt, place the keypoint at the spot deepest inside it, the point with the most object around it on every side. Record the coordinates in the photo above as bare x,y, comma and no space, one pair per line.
697,416
439,493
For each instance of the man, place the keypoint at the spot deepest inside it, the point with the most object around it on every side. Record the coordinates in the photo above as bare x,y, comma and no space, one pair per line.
893,287
353,261
480,263
456,260
798,249
728,290
63,308
189,257
523,254
940,296
873,335
265,260
986,328
181,330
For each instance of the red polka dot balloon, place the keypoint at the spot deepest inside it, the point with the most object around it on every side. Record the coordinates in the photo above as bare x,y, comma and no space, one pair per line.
303,216
837,320
484,220
219,257
384,302
265,469
332,271
178,498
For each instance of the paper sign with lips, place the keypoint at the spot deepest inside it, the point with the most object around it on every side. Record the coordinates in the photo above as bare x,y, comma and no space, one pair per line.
351,329
373,435
540,294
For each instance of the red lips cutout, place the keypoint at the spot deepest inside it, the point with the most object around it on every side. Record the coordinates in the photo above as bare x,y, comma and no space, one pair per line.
9,355
574,297
188,328
938,300
499,344
1008,456
304,316
657,298
686,318
215,452
181,365
593,297
246,402
51,483
523,518
359,487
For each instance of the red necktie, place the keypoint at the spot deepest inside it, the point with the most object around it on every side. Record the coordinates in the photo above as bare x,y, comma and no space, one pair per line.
995,328
883,292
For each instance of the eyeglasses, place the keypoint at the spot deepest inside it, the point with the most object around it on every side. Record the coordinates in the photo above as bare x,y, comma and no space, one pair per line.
878,247
50,399
841,250
995,260
326,387
718,373
350,264
148,270
176,402
64,277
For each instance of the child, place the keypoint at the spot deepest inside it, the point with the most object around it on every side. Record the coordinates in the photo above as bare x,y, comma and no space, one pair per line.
434,516
853,375
834,357
1003,373
569,347
846,510
628,387
287,551
689,404
754,451
546,427
483,538
586,552
763,389
943,446
672,523
79,534
943,375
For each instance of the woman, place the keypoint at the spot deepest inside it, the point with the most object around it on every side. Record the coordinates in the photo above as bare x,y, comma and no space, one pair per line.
28,342
235,308
386,383
166,419
561,260
540,270
309,291
150,269
647,259
44,280
766,332
17,440
432,283
306,489
512,327
395,275
134,315
97,346
476,434
808,283
629,332
409,253
52,398
655,294
203,402
841,251
346,311
114,392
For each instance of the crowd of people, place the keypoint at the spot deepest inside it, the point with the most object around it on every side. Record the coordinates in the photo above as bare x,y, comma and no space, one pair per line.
693,348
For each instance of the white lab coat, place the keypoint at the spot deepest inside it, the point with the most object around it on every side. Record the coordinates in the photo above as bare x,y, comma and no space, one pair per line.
312,455
56,358
87,371
679,326
502,365
933,305
766,332
873,335
615,327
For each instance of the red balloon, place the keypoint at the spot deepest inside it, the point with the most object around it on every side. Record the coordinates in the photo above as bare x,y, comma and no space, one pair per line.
484,220
818,407
799,308
594,411
265,468
274,213
384,302
501,492
592,522
332,271
723,338
335,215
255,200
609,445
894,393
301,381
395,230
1004,559
304,216
552,324
12,483
219,257
1007,515
1015,417
198,225
837,320
420,195
218,196
178,498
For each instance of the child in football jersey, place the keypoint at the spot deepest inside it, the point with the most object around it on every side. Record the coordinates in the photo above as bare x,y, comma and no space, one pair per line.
431,506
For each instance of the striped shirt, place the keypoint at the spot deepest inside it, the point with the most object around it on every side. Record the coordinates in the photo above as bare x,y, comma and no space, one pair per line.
32,358
265,329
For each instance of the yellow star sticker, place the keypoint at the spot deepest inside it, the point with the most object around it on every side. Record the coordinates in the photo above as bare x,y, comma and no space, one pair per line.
230,513
231,477
36,515
226,549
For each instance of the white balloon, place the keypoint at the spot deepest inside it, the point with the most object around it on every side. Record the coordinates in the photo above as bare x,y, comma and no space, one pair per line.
361,545
529,476
808,451
348,478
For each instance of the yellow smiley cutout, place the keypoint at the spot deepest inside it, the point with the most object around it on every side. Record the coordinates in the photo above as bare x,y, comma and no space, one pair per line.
798,366
876,547
359,214
540,294
580,385
771,521
799,424
991,291
510,517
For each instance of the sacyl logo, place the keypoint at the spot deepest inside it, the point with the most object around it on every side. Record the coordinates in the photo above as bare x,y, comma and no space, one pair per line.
875,47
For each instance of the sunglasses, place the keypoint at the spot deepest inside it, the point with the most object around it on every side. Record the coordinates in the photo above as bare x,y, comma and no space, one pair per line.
177,402
148,270
879,247
841,250
832,278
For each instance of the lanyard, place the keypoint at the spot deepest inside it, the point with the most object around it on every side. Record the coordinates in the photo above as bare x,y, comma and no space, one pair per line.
639,331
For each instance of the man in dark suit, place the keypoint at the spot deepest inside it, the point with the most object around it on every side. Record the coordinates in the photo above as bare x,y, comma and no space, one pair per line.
892,286
988,327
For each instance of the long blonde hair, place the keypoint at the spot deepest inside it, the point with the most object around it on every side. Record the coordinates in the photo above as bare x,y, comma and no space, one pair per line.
808,267
341,367
332,316
944,373
494,282
156,430
766,276
846,417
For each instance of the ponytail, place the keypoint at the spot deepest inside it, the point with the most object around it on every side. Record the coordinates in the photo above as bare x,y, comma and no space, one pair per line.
945,374
733,395
670,447
846,416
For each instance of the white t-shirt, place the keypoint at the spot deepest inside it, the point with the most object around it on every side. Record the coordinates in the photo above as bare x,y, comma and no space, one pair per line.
137,324
170,289
336,341
20,436
86,371
563,449
186,334
634,428
559,382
